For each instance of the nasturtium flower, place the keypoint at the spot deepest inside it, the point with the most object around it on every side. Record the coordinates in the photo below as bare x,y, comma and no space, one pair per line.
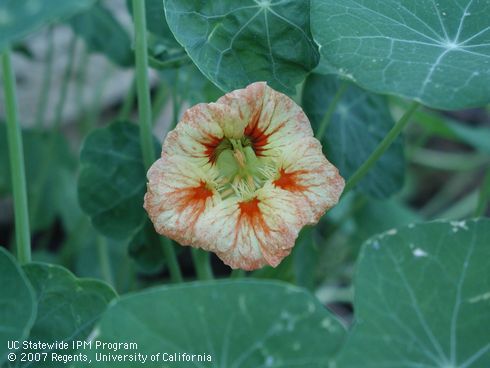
240,177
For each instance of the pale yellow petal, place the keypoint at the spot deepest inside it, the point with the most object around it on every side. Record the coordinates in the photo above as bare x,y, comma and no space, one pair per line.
178,194
253,233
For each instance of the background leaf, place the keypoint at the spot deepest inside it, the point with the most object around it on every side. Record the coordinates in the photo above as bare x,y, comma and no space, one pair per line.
237,42
422,298
19,18
112,180
67,307
17,303
241,324
103,33
437,52
360,122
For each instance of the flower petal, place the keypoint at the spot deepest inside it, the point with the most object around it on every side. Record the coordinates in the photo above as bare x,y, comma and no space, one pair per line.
201,130
273,119
251,233
178,194
307,174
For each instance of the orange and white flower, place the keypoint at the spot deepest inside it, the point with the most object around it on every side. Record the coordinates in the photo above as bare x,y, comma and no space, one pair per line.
240,177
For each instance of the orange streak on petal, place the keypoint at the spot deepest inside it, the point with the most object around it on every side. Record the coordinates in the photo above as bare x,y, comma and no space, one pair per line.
257,135
193,199
211,144
290,181
252,216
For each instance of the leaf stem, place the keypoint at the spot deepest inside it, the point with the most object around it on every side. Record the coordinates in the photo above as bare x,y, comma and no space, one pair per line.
331,109
144,111
381,148
46,83
237,274
72,50
14,138
202,264
105,265
484,196
171,258
128,102
142,83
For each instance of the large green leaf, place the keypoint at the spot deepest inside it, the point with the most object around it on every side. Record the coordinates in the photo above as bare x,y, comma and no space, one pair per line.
422,298
96,27
67,307
240,324
437,52
17,303
112,180
360,122
237,42
19,18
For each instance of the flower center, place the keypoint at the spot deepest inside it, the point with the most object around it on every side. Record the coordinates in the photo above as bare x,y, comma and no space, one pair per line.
241,171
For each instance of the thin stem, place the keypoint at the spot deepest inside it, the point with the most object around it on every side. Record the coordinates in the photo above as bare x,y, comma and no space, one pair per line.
484,196
381,148
105,265
143,88
14,136
52,142
65,82
331,109
128,102
237,274
171,258
96,103
201,264
79,89
159,100
46,83
144,111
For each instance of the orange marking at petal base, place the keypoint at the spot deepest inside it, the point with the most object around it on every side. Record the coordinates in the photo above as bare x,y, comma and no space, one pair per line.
290,181
250,212
193,198
211,146
257,136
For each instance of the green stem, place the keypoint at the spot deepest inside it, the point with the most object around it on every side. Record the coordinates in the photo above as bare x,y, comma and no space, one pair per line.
52,141
202,264
65,82
14,138
128,102
331,109
144,110
484,196
381,148
142,84
46,83
237,274
96,103
171,258
79,90
159,100
105,265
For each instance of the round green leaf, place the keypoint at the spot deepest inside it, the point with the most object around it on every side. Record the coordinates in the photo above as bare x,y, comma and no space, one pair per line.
98,25
19,18
240,324
17,303
237,42
359,123
67,307
422,298
436,52
112,180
